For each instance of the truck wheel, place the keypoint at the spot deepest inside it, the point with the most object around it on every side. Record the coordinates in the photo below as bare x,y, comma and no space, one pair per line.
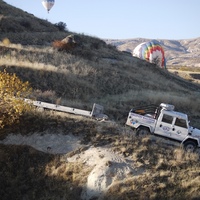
142,132
190,146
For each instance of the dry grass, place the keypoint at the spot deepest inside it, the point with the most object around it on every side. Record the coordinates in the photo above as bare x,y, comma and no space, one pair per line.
38,176
170,173
119,82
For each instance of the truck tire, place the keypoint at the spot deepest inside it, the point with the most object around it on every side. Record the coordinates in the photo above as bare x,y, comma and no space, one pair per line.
142,132
190,146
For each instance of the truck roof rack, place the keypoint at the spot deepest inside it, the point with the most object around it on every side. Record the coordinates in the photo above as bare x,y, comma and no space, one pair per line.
166,106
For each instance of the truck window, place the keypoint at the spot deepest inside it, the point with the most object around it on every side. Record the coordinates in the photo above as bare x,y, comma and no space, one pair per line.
167,119
181,123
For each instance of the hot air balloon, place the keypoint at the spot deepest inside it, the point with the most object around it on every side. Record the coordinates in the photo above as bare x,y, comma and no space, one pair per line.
48,4
151,51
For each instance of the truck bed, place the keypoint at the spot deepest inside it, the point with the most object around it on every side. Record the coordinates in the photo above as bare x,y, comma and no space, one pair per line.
135,119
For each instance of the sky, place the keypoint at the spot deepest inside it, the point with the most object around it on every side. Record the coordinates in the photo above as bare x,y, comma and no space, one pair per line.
117,19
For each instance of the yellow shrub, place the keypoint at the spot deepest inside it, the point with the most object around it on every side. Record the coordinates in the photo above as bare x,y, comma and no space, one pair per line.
12,92
6,41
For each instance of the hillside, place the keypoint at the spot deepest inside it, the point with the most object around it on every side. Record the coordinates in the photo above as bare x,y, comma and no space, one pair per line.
24,28
177,52
53,155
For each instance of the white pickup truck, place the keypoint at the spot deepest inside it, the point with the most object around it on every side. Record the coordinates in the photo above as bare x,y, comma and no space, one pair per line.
167,123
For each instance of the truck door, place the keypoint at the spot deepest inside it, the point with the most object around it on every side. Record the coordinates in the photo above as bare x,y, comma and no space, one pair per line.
180,129
164,126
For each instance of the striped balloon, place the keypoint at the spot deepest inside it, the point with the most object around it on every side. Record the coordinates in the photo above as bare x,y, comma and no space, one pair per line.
152,52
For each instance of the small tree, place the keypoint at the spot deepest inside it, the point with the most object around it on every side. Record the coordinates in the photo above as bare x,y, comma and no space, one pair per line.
61,26
12,92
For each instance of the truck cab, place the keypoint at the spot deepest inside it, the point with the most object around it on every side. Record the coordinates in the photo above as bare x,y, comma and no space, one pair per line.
172,124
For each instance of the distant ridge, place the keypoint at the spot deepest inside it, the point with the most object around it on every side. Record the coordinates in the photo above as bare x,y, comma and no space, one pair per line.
178,52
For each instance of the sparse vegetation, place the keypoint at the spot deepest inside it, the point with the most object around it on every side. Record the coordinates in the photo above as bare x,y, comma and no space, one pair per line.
12,92
93,72
36,175
170,173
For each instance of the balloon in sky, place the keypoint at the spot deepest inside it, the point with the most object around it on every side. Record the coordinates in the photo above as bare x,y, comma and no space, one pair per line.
151,51
48,4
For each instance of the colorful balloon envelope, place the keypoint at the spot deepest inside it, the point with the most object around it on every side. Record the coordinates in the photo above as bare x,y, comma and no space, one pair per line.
48,4
152,52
